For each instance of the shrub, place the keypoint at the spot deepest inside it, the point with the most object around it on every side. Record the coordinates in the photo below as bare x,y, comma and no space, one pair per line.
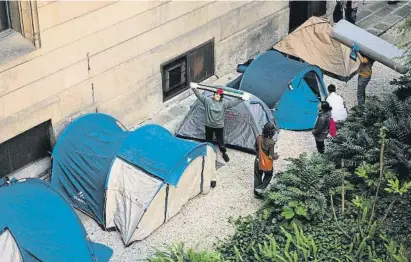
358,138
249,232
178,253
300,193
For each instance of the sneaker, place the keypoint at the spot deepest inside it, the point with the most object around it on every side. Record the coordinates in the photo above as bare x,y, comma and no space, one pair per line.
213,184
257,195
225,157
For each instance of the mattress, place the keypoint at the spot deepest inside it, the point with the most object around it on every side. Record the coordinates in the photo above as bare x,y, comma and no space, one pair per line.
370,45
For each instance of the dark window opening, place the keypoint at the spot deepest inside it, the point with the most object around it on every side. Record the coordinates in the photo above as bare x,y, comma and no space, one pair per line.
194,66
301,11
4,16
24,149
174,77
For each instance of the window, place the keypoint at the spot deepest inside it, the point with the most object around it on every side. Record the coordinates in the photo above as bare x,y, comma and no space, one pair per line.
194,66
24,149
4,17
18,19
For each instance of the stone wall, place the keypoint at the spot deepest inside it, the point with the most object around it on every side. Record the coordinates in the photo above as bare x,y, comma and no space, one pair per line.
106,56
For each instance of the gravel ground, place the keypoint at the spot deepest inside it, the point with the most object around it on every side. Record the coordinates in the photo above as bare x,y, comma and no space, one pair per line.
205,218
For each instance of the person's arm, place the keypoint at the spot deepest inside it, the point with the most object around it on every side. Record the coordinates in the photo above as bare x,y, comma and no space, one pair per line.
271,151
232,103
362,59
200,97
319,124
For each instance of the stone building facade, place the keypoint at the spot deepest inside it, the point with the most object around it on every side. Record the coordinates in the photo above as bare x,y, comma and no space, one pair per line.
129,59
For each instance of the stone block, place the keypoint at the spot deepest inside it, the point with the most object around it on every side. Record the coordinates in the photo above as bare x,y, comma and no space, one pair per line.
374,31
22,121
59,12
230,52
377,5
129,107
371,20
385,11
392,19
362,14
75,99
404,11
382,26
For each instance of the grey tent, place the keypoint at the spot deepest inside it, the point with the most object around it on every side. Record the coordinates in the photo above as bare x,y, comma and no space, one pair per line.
243,123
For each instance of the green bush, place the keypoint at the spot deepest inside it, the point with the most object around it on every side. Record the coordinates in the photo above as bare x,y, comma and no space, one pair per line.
178,253
249,232
358,137
301,192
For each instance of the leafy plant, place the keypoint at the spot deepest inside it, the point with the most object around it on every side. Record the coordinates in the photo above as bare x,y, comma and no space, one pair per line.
300,192
358,138
249,232
298,247
395,187
178,253
294,210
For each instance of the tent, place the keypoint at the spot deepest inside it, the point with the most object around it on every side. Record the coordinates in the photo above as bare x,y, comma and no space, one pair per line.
243,123
38,224
292,88
312,43
130,180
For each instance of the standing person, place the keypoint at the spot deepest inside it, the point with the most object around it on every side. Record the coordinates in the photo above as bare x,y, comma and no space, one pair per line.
336,102
322,126
214,117
338,12
350,10
364,77
266,144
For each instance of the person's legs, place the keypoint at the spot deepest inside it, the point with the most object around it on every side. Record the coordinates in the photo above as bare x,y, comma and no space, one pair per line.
267,179
320,146
219,133
362,84
348,14
209,132
354,15
258,175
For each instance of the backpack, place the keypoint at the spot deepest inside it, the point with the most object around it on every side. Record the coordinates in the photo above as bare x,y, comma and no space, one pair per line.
338,13
333,128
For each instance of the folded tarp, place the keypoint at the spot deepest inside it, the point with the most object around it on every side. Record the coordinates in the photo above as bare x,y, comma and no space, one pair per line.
371,46
312,43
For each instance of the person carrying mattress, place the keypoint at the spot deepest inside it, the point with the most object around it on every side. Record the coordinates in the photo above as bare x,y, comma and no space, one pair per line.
364,77
215,109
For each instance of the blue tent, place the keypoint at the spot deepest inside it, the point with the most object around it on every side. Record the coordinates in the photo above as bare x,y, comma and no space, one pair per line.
292,88
96,162
38,224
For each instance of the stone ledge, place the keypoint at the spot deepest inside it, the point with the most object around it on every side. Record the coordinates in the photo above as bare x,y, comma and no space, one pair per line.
13,45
